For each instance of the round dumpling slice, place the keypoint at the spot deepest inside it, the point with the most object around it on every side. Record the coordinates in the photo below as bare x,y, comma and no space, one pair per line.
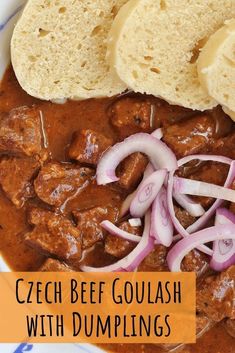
154,45
216,67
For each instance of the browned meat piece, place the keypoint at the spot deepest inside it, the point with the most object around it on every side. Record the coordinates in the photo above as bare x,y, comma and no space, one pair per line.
168,114
232,207
55,236
39,216
52,265
57,182
130,116
88,146
119,247
184,217
21,132
230,327
131,170
195,261
223,122
190,136
212,173
225,146
16,176
215,296
88,223
203,324
156,259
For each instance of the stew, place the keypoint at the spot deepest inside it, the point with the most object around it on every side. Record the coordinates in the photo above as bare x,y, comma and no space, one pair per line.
49,153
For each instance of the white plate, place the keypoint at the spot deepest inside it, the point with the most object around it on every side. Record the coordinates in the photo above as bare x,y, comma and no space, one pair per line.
9,12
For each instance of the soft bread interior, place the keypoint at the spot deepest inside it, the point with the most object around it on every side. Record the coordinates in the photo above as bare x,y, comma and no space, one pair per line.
216,66
58,49
154,45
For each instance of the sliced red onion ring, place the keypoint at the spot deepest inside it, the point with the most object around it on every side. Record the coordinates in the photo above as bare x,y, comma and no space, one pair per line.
135,222
112,229
184,246
127,202
201,222
161,225
149,170
133,260
147,192
200,188
178,226
223,250
195,209
224,216
158,134
204,157
159,154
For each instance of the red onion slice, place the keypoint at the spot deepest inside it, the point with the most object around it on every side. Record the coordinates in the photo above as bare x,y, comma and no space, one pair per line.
184,246
133,260
161,225
112,229
178,226
135,222
158,134
127,202
147,192
201,222
204,157
159,154
195,209
199,188
223,250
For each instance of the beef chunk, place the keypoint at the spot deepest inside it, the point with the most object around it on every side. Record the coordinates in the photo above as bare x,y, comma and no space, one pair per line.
190,136
130,116
52,265
57,182
232,207
215,296
223,122
195,261
21,132
230,327
16,176
119,247
168,114
203,324
131,170
55,236
225,146
212,173
88,223
39,216
156,259
184,217
87,146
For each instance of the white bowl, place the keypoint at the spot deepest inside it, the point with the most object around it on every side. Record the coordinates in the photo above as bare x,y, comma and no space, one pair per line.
9,12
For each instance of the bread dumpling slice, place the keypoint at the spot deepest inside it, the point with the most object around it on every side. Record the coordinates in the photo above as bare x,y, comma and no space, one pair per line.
216,66
154,45
58,49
